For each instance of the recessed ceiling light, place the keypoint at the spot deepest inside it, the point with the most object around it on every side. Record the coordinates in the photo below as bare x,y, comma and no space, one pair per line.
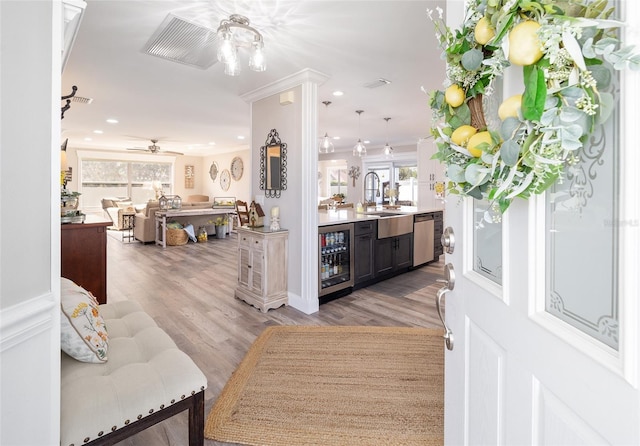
212,143
336,137
366,141
240,137
99,132
88,139
112,121
338,93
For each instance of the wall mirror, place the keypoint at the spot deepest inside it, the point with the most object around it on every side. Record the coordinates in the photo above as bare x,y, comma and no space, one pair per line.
273,165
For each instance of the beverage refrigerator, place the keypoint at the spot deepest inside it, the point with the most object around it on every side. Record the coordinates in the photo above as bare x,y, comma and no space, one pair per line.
335,263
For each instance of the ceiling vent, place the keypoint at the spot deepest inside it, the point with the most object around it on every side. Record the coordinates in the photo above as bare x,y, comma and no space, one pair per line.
81,100
377,83
181,41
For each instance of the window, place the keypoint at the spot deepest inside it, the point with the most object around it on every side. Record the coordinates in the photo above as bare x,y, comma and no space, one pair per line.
405,181
121,178
338,181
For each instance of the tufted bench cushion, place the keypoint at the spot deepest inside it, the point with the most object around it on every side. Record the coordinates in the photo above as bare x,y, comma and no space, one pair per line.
145,374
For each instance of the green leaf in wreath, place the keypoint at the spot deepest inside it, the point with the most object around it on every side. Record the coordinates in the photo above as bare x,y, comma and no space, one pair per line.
509,127
472,59
475,193
510,152
475,174
606,107
455,173
535,93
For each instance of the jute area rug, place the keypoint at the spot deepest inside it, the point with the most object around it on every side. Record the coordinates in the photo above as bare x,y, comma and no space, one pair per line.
301,385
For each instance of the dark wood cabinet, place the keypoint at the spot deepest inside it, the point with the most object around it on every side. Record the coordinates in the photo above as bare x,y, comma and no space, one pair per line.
364,247
437,234
393,254
84,255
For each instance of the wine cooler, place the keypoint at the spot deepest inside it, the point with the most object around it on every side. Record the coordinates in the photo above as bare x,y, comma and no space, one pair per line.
335,249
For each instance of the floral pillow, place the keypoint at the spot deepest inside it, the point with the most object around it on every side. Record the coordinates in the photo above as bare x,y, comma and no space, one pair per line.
83,334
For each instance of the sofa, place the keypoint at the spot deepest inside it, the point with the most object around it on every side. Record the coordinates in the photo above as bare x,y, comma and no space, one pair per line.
144,229
115,208
121,373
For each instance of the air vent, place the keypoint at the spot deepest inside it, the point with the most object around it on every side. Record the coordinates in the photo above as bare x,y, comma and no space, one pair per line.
377,83
181,41
81,100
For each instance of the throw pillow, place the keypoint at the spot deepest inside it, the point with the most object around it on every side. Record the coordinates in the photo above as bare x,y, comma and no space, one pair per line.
124,204
83,334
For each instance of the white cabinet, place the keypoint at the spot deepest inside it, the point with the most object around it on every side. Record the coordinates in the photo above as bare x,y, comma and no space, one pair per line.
262,267
429,173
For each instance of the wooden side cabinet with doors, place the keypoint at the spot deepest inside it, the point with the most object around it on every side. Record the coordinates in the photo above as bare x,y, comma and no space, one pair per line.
83,254
262,267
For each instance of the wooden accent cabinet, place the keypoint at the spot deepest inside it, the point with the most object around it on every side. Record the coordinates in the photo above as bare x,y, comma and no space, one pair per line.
84,255
262,267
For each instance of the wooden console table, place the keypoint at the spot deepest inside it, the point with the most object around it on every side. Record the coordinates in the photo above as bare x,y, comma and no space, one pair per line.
84,254
161,219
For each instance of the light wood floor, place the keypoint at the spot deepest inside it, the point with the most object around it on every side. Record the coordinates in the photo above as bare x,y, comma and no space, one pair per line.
188,290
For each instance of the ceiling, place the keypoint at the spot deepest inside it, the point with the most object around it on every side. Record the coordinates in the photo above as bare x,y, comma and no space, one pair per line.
187,108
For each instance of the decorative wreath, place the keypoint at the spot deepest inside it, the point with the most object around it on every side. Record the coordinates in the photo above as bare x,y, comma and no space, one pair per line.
568,49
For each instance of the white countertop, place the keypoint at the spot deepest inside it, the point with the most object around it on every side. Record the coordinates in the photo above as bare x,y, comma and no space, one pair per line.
339,216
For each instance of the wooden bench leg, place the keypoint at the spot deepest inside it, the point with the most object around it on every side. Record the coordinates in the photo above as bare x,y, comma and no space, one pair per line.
196,420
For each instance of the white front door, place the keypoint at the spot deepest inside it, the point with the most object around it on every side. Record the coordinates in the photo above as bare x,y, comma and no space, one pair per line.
544,311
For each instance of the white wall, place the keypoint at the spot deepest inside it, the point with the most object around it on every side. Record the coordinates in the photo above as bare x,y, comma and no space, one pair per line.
297,125
30,32
268,114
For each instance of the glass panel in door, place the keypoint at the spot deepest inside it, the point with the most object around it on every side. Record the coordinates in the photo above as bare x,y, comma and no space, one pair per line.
582,236
487,242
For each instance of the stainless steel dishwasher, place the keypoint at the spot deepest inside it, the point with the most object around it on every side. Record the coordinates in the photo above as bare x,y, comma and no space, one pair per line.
423,238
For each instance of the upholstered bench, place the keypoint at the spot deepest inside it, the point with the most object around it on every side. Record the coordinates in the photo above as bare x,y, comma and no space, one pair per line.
144,380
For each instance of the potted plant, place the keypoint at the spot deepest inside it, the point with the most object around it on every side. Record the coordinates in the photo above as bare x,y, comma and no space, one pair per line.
221,226
339,198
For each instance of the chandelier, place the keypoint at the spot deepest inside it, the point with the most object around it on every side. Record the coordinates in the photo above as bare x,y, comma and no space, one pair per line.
326,146
359,149
229,42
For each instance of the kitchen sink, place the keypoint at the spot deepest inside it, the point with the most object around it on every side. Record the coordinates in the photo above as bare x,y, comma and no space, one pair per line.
383,214
393,225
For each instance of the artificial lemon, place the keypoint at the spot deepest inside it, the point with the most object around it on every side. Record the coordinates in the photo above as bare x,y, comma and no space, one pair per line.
476,140
483,31
524,45
454,95
461,135
509,107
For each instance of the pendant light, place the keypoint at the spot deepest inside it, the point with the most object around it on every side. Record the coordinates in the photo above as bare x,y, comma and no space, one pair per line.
326,146
387,149
359,149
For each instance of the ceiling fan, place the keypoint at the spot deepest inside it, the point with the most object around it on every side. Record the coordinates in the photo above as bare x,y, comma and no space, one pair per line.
153,148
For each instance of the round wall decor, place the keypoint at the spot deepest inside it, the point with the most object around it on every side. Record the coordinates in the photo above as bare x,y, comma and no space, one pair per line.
237,168
225,179
213,171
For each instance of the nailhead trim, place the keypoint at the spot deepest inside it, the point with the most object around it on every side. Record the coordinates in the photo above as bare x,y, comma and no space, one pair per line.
139,417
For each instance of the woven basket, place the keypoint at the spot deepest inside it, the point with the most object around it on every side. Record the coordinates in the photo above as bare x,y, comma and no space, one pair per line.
177,237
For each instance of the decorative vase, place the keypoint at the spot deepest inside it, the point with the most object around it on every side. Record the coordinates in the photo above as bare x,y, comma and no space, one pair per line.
221,231
202,234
